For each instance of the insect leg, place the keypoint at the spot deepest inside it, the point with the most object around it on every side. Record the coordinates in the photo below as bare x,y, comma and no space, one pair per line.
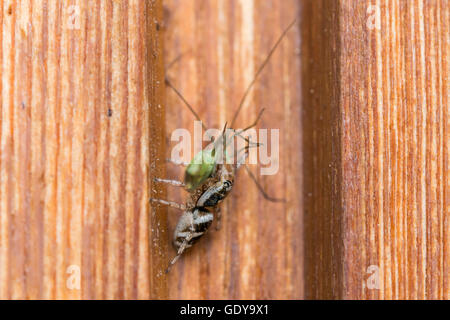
238,133
178,93
177,58
256,121
175,183
247,139
171,204
261,189
241,160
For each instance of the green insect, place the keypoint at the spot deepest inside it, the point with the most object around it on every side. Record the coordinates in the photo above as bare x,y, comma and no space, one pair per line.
202,166
200,169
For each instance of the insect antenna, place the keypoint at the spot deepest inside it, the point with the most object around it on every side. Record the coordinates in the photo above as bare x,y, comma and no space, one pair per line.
247,91
178,93
245,150
240,132
241,103
261,68
222,139
186,103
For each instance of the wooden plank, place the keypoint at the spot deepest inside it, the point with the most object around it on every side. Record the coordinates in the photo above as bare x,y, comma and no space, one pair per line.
321,142
376,143
258,253
81,100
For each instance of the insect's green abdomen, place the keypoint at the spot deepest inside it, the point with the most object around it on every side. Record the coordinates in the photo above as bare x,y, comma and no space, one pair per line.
200,169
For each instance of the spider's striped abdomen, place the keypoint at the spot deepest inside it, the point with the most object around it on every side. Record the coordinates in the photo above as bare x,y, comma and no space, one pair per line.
192,226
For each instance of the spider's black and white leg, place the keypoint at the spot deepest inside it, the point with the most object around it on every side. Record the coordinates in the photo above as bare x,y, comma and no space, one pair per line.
175,183
171,204
180,251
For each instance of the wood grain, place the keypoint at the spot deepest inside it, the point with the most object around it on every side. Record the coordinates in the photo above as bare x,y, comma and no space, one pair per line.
363,115
81,113
258,252
376,149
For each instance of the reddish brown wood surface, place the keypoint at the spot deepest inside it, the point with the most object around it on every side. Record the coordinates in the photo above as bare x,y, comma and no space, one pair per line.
258,253
376,149
81,95
322,147
362,110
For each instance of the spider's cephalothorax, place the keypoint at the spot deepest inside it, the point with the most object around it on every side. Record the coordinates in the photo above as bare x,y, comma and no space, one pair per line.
216,194
218,191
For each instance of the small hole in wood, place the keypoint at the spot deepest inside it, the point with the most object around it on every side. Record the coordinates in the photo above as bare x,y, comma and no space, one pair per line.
9,11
